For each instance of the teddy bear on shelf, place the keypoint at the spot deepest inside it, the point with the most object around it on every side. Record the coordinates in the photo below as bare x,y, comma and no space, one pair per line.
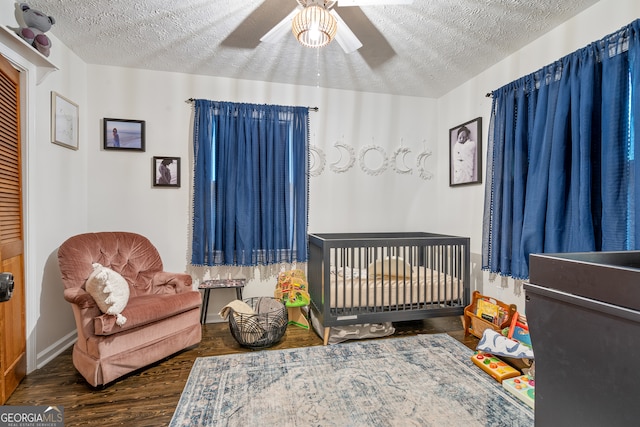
37,24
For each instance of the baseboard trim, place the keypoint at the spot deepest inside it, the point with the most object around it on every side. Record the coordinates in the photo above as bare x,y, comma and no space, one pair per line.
48,354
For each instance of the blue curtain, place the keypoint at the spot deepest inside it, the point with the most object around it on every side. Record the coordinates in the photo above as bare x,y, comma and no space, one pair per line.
561,173
250,184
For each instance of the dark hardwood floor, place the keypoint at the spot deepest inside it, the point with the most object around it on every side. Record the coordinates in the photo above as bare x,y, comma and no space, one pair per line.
148,397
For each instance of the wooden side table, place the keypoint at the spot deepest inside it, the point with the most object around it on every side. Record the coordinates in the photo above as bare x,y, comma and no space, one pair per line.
208,285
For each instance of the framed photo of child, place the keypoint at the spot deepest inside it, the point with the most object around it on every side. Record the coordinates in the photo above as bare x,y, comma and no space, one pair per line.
123,134
465,153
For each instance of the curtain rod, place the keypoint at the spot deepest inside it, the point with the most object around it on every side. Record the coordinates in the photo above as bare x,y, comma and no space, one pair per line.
316,109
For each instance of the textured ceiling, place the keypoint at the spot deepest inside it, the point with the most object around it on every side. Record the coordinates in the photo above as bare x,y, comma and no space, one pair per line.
424,49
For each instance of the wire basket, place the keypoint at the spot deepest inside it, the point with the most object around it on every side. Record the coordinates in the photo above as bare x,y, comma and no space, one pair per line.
262,329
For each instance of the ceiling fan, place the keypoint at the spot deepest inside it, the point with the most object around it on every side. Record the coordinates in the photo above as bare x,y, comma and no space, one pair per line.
344,36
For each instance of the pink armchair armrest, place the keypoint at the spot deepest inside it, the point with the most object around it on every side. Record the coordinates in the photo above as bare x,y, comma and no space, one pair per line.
79,297
164,282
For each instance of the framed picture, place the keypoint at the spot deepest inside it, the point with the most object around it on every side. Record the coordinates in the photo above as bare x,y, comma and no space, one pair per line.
64,121
166,171
121,134
465,153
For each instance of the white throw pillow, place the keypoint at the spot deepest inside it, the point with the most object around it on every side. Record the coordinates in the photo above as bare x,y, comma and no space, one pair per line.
110,291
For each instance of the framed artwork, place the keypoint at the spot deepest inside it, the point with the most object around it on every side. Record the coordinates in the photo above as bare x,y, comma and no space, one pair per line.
465,153
121,134
166,171
64,121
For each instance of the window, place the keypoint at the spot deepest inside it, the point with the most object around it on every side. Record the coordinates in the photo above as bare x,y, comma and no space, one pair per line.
250,184
561,173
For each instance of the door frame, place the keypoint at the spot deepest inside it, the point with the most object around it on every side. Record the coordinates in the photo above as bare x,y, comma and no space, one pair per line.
28,102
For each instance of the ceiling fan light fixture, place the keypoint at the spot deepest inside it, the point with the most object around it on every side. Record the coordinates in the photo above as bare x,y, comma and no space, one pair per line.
314,26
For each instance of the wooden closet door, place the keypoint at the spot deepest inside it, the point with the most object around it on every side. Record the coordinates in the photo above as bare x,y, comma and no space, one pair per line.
13,343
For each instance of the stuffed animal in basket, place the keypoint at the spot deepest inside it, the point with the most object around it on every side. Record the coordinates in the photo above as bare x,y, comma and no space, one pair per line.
292,288
36,25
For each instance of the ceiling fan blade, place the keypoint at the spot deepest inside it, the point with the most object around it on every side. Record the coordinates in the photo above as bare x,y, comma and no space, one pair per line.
280,29
246,35
376,49
345,37
343,3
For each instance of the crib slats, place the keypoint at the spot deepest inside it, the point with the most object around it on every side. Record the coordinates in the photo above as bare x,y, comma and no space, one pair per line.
373,278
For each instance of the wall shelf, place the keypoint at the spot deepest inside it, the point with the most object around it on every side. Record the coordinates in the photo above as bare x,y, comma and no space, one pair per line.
43,65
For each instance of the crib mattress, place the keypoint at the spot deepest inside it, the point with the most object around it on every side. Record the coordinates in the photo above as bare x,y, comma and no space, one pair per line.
425,286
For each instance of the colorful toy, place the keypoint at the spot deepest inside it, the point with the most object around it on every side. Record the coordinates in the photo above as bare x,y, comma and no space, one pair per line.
519,330
523,387
493,366
36,25
292,290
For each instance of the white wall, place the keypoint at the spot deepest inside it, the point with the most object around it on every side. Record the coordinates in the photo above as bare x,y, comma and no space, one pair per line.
121,196
468,101
57,200
54,190
69,192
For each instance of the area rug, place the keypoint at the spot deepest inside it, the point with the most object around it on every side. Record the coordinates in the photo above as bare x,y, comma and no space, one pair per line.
424,380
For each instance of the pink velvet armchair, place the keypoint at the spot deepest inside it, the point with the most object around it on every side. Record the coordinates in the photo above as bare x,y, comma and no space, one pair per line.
163,310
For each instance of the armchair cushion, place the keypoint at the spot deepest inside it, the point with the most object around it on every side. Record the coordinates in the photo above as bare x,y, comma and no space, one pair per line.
147,309
109,290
